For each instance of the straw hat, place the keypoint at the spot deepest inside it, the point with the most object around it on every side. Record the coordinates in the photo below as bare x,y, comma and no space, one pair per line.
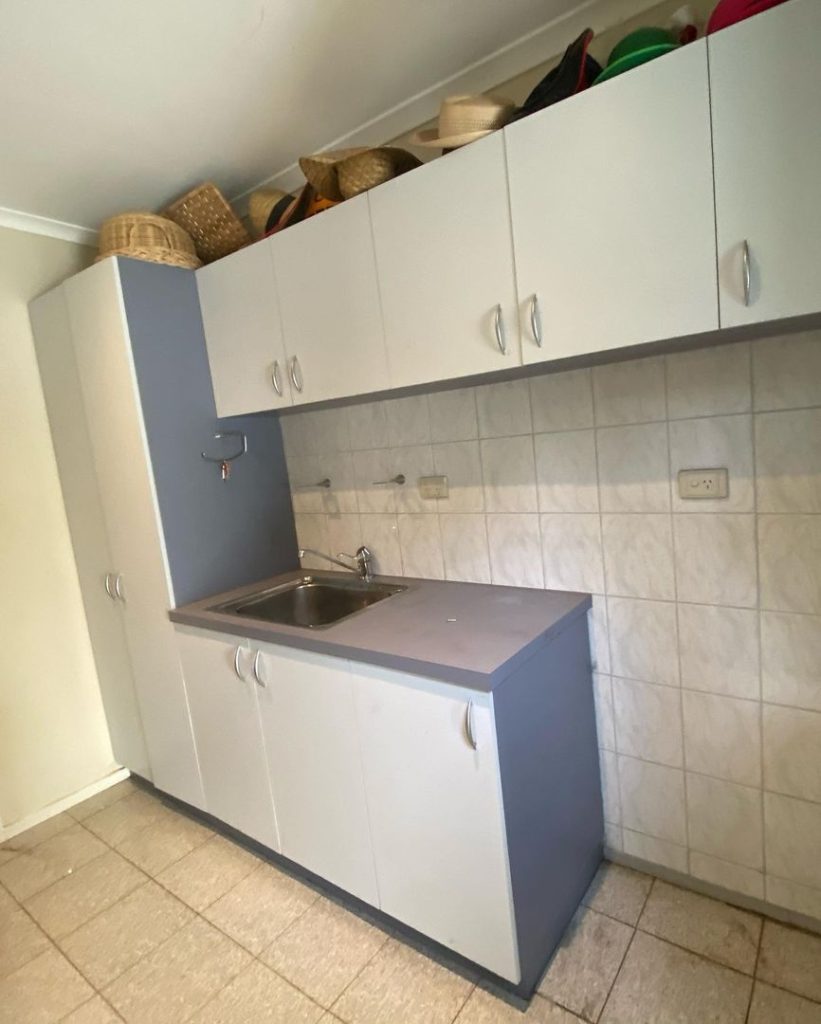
464,119
343,173
261,205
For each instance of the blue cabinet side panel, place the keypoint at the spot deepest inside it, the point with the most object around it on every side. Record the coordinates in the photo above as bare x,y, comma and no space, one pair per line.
218,534
548,757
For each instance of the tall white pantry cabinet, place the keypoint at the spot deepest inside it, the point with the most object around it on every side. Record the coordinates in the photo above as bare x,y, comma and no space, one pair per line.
125,376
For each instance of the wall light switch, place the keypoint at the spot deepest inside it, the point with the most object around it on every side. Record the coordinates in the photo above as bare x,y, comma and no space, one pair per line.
433,486
703,483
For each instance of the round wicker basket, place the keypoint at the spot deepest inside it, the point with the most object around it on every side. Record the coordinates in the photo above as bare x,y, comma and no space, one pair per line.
145,236
208,218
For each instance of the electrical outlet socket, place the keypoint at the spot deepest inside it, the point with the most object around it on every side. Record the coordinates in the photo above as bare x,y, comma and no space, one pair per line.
703,483
433,486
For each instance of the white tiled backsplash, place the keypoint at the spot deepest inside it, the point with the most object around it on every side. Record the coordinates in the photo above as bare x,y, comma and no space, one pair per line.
706,625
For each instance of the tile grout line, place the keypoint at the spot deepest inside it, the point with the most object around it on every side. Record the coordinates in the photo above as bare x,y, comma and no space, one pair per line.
762,802
627,949
755,971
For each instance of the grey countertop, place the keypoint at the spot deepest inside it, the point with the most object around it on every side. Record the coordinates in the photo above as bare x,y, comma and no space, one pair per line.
470,634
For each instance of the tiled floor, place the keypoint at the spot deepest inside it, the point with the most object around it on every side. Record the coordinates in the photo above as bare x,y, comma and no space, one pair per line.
123,909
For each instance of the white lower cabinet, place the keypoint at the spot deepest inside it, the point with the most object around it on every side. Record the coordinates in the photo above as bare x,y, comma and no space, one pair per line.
309,723
385,784
437,826
222,696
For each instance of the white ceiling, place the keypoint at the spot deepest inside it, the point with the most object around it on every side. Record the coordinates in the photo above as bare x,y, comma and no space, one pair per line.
121,104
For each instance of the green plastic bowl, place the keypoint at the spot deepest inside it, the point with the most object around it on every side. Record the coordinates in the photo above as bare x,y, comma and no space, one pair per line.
633,60
639,40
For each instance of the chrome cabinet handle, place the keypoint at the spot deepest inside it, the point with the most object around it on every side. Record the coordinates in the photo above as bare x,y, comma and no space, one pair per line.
275,379
118,586
499,329
745,267
471,735
257,676
108,586
536,320
237,669
398,479
296,380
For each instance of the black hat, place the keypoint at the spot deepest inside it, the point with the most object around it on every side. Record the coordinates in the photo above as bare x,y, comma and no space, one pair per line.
575,72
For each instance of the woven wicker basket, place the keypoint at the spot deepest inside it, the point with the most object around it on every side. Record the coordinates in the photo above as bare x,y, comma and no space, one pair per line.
144,236
205,214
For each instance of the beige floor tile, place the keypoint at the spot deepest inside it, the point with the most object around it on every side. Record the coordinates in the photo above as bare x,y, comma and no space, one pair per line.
703,925
44,864
94,887
260,907
95,1011
324,950
586,962
6,855
661,984
400,984
113,941
618,892
8,904
775,1006
39,833
125,818
166,841
178,977
791,959
483,1008
20,941
207,873
43,991
105,798
258,996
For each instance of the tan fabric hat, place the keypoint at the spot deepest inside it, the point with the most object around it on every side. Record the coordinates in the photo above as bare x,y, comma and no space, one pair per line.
343,173
464,119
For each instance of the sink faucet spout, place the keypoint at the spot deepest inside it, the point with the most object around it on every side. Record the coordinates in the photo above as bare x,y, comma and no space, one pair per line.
363,559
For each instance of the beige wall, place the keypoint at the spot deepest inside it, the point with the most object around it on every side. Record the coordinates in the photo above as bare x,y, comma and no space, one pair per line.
53,736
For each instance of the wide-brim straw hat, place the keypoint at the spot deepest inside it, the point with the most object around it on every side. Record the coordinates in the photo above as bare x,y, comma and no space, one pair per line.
343,173
463,119
261,204
145,236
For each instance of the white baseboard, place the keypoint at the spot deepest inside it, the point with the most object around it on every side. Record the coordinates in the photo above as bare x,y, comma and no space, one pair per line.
10,831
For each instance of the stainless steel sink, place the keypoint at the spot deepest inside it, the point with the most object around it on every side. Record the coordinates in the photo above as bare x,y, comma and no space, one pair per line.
311,602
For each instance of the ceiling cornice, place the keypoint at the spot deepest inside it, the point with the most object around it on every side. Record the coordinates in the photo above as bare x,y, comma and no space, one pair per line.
35,225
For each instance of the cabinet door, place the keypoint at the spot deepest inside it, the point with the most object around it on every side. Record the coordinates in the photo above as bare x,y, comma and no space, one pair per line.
326,279
89,538
612,205
436,816
445,266
765,89
126,489
222,693
243,332
309,723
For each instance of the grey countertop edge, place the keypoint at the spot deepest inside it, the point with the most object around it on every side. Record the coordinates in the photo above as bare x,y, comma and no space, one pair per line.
197,615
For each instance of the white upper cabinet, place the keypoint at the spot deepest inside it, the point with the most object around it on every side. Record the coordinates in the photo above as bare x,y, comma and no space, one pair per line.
326,277
445,265
435,806
222,692
765,82
612,205
309,723
126,488
243,332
